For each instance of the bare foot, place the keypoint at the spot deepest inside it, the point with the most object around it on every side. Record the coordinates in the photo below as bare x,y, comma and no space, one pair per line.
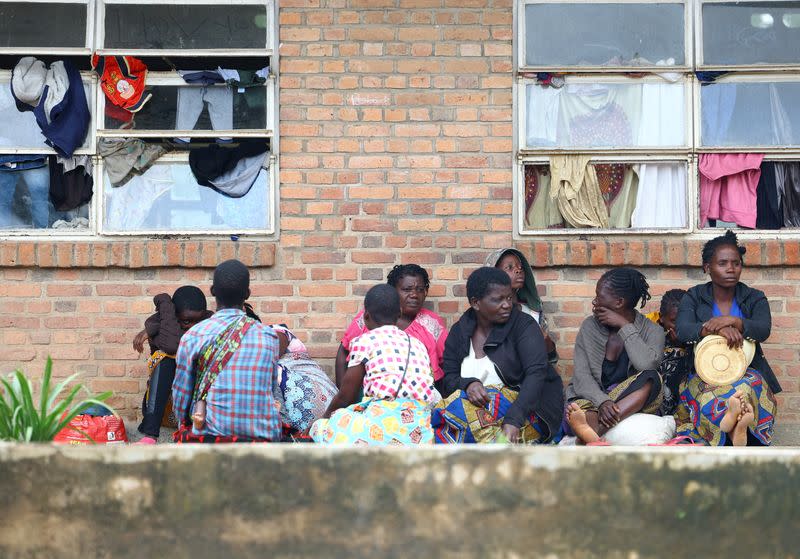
576,418
739,435
732,413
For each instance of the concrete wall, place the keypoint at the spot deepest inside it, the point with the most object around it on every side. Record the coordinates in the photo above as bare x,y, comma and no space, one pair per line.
396,146
302,501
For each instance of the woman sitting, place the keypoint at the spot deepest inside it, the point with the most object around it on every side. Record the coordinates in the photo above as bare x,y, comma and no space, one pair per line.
617,352
412,283
393,370
496,374
743,412
523,284
676,361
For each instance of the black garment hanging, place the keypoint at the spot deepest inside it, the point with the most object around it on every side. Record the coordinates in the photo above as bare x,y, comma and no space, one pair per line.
768,200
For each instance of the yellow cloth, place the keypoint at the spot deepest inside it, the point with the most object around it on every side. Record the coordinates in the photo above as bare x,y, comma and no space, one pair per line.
654,316
575,188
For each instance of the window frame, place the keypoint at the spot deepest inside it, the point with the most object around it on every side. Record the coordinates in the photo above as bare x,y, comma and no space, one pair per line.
96,101
692,210
269,45
523,81
691,153
174,80
521,38
759,77
699,62
58,51
183,157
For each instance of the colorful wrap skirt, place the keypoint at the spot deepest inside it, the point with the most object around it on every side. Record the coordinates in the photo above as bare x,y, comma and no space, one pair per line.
702,407
629,385
374,422
457,420
304,391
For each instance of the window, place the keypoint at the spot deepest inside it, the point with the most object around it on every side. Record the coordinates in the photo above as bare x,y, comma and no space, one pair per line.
209,85
643,130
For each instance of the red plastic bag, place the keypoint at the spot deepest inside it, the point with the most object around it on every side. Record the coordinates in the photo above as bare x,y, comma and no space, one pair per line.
108,429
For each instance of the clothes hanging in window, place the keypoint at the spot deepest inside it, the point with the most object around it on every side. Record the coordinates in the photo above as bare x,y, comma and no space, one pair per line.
787,177
661,198
728,183
574,186
768,200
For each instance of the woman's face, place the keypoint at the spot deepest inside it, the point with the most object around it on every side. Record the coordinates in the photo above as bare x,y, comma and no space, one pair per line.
496,305
512,266
412,292
187,318
725,267
605,297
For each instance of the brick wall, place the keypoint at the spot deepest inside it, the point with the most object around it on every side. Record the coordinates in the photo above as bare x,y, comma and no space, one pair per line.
396,147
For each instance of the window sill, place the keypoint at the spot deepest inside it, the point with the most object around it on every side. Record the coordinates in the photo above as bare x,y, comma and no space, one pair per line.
651,252
175,253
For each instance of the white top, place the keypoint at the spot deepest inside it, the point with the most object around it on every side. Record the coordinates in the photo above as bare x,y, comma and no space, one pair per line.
482,369
527,310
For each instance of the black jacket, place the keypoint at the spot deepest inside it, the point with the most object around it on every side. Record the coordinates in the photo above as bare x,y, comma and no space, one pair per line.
517,350
697,307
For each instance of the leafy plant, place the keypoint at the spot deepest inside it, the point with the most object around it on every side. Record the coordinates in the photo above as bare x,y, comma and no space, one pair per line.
21,420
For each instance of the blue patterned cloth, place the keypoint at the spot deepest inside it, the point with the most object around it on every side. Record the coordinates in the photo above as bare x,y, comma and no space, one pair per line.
305,391
240,402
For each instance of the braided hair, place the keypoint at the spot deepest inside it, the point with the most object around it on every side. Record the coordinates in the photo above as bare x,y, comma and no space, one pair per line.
727,240
628,283
408,270
671,300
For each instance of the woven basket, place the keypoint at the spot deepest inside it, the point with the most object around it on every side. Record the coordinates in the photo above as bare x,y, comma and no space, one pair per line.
717,364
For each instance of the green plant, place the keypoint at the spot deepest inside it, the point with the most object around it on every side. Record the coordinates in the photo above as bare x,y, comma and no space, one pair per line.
21,420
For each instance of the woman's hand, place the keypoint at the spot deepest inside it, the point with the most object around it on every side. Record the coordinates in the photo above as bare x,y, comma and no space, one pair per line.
511,433
139,340
609,318
732,336
716,324
477,395
609,414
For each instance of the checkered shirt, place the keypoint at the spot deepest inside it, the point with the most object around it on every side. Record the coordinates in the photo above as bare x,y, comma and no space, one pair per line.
383,352
240,402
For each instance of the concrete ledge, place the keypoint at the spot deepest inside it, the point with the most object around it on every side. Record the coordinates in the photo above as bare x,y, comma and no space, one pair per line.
304,501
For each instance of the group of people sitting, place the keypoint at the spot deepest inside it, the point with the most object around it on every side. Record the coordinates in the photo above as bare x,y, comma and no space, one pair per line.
402,378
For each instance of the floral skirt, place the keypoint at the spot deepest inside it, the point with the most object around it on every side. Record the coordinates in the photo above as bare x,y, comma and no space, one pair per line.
304,393
374,422
702,407
456,420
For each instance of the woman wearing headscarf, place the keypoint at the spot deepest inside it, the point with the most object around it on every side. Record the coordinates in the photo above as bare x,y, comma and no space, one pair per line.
523,284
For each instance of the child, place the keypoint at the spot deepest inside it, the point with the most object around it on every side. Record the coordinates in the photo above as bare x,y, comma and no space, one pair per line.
163,330
395,373
675,364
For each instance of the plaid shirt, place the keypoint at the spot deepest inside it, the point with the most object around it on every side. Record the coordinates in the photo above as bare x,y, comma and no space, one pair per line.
240,402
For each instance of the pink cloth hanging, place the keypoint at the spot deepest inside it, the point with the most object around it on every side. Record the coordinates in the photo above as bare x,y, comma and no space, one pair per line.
728,183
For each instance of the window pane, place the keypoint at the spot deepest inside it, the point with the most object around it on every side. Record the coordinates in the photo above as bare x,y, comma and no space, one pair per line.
603,34
185,27
198,108
594,115
25,200
167,198
19,129
24,24
751,33
750,114
611,195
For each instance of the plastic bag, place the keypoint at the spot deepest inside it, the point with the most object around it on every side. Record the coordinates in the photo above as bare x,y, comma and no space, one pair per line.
108,429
